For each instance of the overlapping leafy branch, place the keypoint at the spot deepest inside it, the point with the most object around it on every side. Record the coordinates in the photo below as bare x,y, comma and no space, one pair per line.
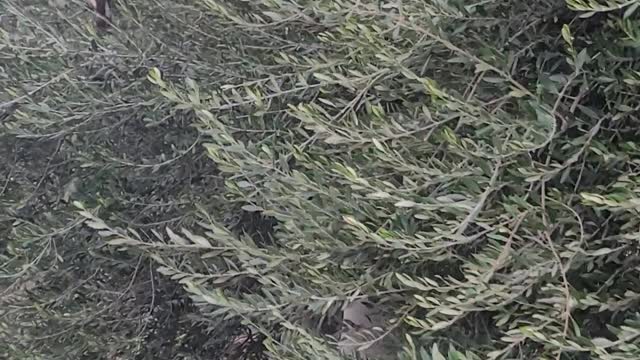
469,171
452,175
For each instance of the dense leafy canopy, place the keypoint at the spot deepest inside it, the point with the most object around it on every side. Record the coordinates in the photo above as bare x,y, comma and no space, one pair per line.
320,180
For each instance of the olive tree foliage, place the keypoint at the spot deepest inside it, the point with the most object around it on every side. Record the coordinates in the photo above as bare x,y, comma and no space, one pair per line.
79,124
467,170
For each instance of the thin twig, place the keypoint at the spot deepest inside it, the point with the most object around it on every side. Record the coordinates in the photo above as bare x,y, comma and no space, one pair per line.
483,198
504,254
32,92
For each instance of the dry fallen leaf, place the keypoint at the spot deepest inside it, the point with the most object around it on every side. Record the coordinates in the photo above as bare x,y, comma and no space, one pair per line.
364,332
